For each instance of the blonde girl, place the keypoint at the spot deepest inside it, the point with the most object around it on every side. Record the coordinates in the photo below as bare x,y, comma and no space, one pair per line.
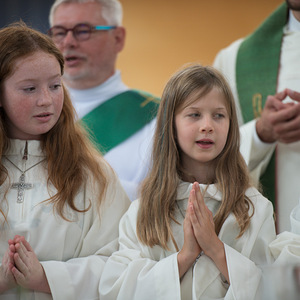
60,202
199,229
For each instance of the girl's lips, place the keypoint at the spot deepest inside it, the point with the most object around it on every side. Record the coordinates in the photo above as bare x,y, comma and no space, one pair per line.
205,143
43,114
44,117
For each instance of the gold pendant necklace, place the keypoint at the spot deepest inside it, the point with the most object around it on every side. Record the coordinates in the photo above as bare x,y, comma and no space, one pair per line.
21,186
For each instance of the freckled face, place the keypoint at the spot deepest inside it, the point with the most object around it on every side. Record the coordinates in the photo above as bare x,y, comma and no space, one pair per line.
32,96
202,128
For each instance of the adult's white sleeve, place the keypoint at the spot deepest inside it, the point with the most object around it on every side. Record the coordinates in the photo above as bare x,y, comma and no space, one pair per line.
256,153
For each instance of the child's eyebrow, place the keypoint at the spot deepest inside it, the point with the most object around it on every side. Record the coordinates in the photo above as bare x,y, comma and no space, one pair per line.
195,107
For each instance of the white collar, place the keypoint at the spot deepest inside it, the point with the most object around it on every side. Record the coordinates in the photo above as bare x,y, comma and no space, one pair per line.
211,191
184,189
17,147
293,24
86,100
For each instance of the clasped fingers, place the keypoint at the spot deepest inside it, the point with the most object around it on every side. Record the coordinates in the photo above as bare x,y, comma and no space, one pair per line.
28,271
201,219
200,209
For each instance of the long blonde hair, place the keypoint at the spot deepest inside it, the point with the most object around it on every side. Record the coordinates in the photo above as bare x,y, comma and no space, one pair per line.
70,155
159,189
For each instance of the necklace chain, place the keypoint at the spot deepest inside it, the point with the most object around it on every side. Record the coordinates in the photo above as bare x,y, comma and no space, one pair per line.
23,172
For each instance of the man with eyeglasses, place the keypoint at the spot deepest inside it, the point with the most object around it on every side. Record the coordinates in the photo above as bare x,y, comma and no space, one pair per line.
90,35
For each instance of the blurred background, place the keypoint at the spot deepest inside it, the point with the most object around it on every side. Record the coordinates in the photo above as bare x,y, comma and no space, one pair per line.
163,35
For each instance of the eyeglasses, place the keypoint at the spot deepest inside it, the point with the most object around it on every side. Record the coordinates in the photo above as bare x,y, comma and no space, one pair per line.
81,32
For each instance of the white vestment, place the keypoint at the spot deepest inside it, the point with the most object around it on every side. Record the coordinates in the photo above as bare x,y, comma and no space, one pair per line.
131,158
138,272
256,153
72,254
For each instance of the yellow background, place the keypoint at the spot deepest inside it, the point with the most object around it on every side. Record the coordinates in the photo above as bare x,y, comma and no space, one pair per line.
163,35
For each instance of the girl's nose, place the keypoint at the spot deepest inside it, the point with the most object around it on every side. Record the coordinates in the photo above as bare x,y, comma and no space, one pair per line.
206,124
45,98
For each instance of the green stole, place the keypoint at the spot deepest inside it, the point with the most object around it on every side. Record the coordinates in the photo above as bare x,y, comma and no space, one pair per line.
257,67
120,117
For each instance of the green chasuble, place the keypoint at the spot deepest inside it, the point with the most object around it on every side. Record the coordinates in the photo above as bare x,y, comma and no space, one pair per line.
256,77
120,117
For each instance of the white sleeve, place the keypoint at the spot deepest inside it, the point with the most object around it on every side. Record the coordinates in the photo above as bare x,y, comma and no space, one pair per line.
286,248
245,268
256,153
243,257
79,277
133,274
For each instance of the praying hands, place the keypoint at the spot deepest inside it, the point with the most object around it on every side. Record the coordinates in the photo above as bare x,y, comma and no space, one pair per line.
20,266
200,235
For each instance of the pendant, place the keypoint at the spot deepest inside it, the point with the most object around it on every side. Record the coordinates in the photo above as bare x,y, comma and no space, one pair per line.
21,186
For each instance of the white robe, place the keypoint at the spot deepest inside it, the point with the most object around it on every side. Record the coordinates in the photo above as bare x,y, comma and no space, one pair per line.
131,158
72,254
256,153
139,272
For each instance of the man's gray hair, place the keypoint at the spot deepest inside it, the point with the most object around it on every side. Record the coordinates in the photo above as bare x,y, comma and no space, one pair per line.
111,10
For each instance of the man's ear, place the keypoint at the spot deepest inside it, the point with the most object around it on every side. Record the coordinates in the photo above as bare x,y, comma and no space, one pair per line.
120,35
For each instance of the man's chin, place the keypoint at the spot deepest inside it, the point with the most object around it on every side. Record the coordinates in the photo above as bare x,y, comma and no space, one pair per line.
73,76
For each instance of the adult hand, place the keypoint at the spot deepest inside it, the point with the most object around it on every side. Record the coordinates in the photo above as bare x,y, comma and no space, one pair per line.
28,271
280,121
